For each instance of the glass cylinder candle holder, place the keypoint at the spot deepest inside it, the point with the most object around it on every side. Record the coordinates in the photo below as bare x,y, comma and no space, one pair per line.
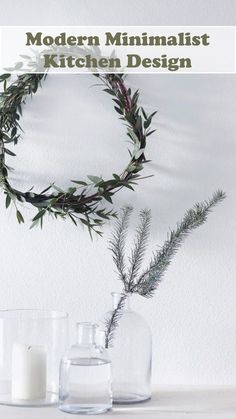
32,343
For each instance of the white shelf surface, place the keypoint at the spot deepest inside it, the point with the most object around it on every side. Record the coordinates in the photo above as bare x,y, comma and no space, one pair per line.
191,403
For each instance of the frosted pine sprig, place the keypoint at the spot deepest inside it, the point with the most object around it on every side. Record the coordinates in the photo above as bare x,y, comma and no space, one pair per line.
145,283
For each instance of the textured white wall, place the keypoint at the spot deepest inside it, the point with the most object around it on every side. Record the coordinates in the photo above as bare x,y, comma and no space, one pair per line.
193,314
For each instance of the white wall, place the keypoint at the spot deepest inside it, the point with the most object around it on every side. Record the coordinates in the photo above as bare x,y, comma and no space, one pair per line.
71,131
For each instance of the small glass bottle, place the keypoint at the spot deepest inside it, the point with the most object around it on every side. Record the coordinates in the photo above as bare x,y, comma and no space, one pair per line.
131,355
85,375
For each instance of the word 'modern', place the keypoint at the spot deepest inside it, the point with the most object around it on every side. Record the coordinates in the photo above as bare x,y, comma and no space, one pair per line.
118,39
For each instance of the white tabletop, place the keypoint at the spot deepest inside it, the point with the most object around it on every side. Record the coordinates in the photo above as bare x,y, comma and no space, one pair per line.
213,403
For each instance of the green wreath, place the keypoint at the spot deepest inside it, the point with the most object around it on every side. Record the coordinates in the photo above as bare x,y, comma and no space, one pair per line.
81,202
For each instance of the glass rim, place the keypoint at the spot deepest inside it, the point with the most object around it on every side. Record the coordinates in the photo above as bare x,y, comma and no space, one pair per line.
117,293
87,324
43,314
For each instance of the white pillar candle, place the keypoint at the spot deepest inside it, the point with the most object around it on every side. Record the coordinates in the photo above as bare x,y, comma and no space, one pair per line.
29,375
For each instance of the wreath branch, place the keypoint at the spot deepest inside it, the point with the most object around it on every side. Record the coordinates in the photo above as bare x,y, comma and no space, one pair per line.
86,207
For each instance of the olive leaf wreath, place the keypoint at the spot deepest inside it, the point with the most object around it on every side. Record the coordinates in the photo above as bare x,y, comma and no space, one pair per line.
81,203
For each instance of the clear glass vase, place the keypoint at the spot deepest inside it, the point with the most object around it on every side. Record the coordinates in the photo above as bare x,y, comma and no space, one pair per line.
131,355
32,343
85,375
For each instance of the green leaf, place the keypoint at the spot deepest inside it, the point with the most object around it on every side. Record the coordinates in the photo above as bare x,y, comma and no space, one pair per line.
147,123
110,91
85,222
139,153
34,224
19,217
5,136
131,168
128,186
116,177
8,201
118,102
100,233
71,190
138,124
118,110
4,77
80,182
107,196
9,152
144,113
45,190
152,114
20,109
102,215
13,132
72,219
40,214
135,98
150,132
133,136
94,179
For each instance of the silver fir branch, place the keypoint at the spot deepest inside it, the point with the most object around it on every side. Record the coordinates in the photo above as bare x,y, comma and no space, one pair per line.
146,283
117,242
111,322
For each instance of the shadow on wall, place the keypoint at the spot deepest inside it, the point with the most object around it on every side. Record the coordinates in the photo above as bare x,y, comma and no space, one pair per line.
193,151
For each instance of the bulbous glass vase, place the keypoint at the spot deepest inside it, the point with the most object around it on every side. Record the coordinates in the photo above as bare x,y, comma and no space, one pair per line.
131,355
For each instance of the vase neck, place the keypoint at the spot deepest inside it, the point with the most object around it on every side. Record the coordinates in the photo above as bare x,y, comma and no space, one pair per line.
116,297
86,333
101,338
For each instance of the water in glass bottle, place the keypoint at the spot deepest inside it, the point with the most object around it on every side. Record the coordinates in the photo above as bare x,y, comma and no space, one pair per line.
85,375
